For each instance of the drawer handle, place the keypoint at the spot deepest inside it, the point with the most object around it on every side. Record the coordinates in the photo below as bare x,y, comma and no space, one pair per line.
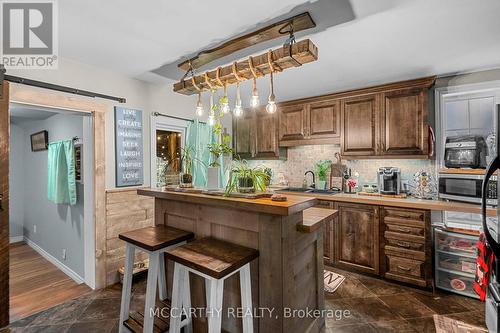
402,229
407,269
403,244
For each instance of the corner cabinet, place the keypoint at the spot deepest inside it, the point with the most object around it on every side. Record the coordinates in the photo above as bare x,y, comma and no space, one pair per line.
255,136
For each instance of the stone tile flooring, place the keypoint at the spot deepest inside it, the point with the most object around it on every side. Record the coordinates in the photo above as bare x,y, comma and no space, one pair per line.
374,306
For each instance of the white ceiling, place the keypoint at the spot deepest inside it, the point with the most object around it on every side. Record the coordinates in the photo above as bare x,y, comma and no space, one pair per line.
388,40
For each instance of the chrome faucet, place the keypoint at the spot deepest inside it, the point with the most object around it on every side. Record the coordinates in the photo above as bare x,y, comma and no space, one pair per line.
313,185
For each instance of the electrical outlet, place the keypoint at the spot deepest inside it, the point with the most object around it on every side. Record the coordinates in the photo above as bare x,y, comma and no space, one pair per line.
64,254
34,229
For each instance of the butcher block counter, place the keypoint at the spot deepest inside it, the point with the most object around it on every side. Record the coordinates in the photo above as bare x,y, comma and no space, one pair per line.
287,276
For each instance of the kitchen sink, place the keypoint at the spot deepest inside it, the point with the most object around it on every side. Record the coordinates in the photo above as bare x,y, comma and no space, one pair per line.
308,190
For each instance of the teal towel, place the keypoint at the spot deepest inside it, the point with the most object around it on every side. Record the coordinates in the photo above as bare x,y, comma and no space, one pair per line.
61,184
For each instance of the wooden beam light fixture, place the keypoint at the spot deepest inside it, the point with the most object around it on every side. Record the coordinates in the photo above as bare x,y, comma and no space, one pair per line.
283,58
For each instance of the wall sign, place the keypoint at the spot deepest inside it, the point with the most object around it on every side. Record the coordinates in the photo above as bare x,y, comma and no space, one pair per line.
128,147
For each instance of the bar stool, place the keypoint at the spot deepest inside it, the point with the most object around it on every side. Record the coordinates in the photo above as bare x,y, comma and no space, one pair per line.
154,241
215,261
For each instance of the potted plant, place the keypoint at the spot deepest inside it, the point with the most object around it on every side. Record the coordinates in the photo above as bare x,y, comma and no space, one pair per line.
245,179
269,172
322,168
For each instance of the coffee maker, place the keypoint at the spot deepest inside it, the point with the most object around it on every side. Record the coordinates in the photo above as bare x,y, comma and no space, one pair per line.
389,180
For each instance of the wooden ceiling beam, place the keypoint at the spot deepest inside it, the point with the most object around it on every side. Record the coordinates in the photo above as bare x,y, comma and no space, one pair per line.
299,22
283,58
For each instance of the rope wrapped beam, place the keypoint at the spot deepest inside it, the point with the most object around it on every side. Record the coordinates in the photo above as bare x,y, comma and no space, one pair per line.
283,58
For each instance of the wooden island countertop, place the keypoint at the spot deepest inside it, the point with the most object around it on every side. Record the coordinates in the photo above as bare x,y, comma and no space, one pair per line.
294,204
288,274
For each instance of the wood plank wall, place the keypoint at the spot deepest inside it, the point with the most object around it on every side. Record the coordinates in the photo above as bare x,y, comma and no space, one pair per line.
125,211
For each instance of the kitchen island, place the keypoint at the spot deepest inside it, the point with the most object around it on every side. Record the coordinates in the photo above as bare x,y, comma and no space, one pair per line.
287,276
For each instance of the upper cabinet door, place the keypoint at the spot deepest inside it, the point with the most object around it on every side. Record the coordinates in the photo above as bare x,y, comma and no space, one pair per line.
324,119
266,135
292,123
360,125
404,122
243,128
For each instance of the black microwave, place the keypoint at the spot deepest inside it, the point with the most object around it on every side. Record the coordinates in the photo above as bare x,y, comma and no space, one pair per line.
467,188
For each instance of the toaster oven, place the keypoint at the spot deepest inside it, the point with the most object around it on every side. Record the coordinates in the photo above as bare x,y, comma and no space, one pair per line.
465,151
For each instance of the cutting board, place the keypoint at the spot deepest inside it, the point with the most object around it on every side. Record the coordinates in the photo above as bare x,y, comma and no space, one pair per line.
239,195
336,172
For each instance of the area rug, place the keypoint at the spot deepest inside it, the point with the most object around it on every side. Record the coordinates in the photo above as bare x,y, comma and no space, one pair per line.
332,281
448,325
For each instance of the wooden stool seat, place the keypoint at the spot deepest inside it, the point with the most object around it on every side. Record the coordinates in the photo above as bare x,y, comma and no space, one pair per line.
156,238
212,257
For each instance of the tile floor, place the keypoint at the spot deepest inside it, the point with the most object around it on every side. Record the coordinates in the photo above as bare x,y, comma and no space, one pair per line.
374,306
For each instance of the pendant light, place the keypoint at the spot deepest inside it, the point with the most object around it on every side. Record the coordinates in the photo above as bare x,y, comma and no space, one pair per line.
254,100
238,108
199,105
271,102
211,114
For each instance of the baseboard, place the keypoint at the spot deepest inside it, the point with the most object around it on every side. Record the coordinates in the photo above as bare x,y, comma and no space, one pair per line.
66,270
16,239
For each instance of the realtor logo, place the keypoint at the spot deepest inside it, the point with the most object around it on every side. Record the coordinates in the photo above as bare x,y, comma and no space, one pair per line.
29,38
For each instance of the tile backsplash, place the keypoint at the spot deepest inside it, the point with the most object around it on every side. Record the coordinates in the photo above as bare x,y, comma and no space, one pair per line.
302,158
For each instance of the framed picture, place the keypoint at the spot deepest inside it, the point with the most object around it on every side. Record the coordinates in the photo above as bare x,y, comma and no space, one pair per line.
40,141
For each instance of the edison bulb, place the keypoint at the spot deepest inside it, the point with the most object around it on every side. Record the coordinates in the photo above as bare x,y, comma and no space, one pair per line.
211,120
199,109
225,108
238,110
254,101
271,107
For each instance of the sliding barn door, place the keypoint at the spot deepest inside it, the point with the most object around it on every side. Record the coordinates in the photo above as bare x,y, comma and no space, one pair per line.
4,204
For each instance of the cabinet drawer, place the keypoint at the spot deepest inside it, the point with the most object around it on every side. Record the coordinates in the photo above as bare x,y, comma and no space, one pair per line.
402,229
405,267
324,204
404,237
404,244
404,214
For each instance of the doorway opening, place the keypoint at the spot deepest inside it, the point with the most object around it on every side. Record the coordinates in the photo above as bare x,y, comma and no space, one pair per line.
51,224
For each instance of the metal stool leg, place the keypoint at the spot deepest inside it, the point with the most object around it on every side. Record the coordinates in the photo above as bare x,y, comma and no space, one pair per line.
127,285
215,306
149,307
246,298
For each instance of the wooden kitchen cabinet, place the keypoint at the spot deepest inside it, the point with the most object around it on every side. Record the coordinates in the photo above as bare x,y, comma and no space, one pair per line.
317,122
360,126
255,136
404,122
243,128
357,237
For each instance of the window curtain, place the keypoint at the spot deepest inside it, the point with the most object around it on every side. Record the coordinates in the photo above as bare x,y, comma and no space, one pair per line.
198,136
61,182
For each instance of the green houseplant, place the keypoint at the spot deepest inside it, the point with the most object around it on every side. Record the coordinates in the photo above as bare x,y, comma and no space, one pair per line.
246,179
321,168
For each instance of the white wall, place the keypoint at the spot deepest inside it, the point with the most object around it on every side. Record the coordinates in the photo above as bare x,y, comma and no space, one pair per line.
16,181
139,95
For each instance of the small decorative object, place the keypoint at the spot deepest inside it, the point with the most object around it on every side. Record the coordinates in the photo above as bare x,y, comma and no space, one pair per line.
492,147
186,177
244,179
40,141
279,197
321,169
423,186
351,184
